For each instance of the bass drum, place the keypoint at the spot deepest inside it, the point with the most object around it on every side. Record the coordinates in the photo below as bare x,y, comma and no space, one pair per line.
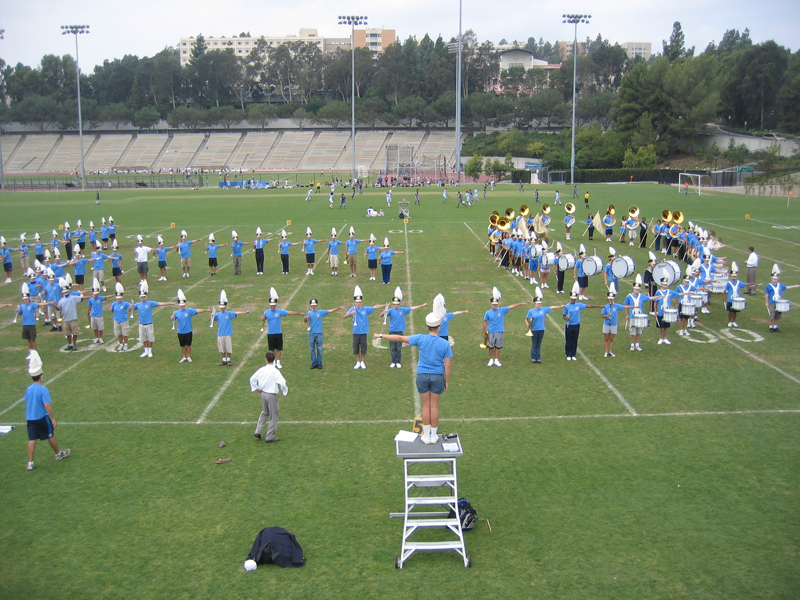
566,261
669,269
623,266
592,265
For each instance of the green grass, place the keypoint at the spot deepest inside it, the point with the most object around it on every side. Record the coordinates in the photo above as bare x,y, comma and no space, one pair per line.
696,497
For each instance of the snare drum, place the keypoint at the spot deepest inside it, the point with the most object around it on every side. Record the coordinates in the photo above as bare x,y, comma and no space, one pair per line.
640,320
669,269
548,259
720,276
566,261
783,306
688,309
592,265
717,286
698,299
738,304
622,267
670,315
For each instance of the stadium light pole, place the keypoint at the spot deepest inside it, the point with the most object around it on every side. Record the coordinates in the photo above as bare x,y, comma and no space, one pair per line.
77,30
458,100
574,19
353,20
2,173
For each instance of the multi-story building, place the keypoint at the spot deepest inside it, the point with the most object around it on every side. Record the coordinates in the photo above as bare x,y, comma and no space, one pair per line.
634,49
374,39
565,49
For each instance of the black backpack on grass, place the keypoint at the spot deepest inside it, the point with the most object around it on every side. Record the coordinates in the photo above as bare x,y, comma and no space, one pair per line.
467,514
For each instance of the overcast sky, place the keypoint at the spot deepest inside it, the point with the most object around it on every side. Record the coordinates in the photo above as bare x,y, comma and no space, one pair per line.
144,27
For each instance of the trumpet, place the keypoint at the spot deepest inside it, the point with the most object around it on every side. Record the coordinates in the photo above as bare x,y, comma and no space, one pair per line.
485,344
385,313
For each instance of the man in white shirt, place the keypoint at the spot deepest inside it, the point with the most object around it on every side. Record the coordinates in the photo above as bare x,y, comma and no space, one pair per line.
141,252
266,381
752,263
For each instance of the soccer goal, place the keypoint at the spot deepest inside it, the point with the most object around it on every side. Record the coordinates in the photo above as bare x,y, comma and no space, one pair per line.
697,184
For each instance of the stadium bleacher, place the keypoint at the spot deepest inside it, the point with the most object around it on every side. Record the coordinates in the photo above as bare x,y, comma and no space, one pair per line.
288,151
180,152
143,152
252,151
325,150
217,151
439,143
105,154
369,151
67,155
32,154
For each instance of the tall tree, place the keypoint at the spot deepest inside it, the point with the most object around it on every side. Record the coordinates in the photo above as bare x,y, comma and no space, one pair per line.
675,48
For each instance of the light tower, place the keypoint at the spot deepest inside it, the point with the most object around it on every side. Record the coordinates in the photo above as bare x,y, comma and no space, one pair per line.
574,19
353,20
77,30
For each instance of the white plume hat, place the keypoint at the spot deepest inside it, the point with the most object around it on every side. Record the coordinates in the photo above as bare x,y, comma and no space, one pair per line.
110,219
273,296
439,306
2,240
651,256
26,291
98,246
181,297
143,288
91,225
372,238
688,272
119,289
223,298
160,239
734,267
611,251
184,234
36,237
258,230
638,281
352,230
50,273
537,296
114,244
333,232
79,223
776,270
308,231
76,249
398,295
358,294
612,290
283,233
34,363
95,285
55,233
575,289
496,295
386,242
68,279
102,220
66,224
56,252
139,238
234,235
211,237
559,247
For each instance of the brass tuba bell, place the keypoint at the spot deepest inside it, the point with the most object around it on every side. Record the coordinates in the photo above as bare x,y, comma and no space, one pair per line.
524,210
510,214
545,209
611,210
569,208
666,216
677,217
633,212
493,218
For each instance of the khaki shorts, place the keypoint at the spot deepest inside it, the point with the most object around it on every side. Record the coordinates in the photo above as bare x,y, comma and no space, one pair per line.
773,314
147,333
97,323
334,261
186,263
71,327
224,344
122,329
99,275
352,259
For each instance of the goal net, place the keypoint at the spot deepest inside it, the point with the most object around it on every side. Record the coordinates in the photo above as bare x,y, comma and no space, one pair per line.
691,183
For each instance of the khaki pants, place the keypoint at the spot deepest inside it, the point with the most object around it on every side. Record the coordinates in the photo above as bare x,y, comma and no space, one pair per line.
269,412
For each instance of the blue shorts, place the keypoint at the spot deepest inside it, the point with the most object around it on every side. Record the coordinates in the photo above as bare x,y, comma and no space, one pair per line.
429,382
40,429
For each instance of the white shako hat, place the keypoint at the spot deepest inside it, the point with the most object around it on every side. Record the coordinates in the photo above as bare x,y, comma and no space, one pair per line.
537,295
352,231
308,231
386,242
313,302
638,281
95,286
234,235
34,364
26,292
91,225
432,320
575,290
398,295
50,274
30,273
581,250
56,252
55,233
611,252
66,224
160,239
38,266
36,237
80,224
496,295
372,238
98,246
258,231
102,220
652,258
358,294
776,270
559,248
22,237
439,306
734,268
283,234
143,289
76,249
114,244
119,290
139,239
2,240
612,291
273,296
68,279
181,297
184,235
47,253
211,238
688,274
696,264
110,219
223,298
333,232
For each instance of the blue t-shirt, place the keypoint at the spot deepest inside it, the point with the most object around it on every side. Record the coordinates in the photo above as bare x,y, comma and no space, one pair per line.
397,318
315,320
734,286
372,252
212,250
58,269
259,244
386,257
273,318
352,246
665,299
161,253
28,312
444,328
537,317
80,266
285,247
96,305
184,319
145,311
120,310
38,249
308,245
237,247
224,325
579,266
69,306
497,319
361,319
636,300
772,290
104,232
99,260
6,254
610,313
333,247
610,274
36,396
52,292
115,258
185,248
574,312
432,352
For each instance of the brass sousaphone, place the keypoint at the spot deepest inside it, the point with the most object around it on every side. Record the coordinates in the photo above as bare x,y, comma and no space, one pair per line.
524,211
570,210
611,210
633,220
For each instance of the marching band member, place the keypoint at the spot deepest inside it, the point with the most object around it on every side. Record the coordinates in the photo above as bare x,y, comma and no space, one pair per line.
607,224
360,315
687,287
311,256
664,297
707,270
568,221
494,326
590,224
608,273
258,248
352,250
440,310
643,233
559,271
733,289
315,339
772,294
544,268
572,316
534,320
579,276
386,261
272,316
635,300
610,319
371,253
397,325
283,249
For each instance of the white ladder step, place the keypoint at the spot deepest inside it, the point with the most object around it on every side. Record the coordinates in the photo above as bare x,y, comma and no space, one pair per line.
432,500
430,478
431,522
433,546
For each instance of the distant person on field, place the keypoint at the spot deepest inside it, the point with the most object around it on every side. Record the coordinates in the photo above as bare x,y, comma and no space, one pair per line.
39,414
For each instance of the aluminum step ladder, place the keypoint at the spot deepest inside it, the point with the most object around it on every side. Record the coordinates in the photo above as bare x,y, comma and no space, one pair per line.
431,490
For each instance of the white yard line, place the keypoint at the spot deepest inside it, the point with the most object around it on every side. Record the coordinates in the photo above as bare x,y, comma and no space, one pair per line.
769,237
710,413
247,356
417,400
612,388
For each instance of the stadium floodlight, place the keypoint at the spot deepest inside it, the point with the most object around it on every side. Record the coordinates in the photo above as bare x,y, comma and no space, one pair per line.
575,20
77,30
353,20
2,174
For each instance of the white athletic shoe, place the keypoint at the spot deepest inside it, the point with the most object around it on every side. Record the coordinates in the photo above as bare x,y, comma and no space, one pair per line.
638,348
666,341
278,364
660,342
189,359
363,365
612,355
735,324
182,360
358,365
705,311
399,366
544,285
391,366
490,363
497,363
143,354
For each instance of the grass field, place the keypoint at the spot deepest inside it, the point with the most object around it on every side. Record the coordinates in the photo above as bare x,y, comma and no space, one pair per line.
670,473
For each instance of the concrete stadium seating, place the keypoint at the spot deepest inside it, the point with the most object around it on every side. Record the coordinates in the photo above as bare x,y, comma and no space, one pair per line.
180,151
9,144
325,150
143,152
439,143
30,157
105,154
217,150
252,151
369,151
66,156
288,151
